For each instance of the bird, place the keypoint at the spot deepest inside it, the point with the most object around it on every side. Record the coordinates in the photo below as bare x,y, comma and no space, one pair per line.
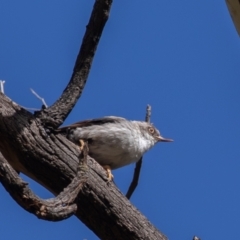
113,141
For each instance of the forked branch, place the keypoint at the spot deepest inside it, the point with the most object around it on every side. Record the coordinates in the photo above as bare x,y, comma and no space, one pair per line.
54,116
50,159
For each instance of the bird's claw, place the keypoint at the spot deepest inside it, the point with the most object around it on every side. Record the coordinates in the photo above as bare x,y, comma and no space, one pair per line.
82,143
109,173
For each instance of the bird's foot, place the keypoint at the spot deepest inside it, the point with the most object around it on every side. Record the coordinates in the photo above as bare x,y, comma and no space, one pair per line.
109,173
82,165
82,144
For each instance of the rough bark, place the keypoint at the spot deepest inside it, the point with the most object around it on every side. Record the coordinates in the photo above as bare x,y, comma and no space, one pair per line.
51,160
57,113
30,144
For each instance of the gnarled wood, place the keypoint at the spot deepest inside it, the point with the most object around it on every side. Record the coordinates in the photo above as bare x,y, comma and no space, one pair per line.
32,146
54,209
57,113
52,161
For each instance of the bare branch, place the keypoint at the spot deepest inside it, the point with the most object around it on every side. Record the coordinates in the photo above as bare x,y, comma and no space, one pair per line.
52,161
40,98
55,209
148,114
1,86
135,179
138,165
54,116
234,10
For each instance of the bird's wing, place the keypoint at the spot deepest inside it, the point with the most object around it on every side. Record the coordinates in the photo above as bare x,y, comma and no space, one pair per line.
96,121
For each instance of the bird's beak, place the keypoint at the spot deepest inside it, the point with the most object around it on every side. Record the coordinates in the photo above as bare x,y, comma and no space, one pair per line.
162,139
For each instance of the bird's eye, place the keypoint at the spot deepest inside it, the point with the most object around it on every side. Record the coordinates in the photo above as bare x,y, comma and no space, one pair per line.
151,130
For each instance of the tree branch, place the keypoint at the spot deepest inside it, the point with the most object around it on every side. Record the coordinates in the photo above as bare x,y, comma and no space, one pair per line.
55,115
55,209
138,165
40,98
52,161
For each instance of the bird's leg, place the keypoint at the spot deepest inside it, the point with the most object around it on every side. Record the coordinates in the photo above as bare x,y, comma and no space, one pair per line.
82,166
106,167
82,143
109,173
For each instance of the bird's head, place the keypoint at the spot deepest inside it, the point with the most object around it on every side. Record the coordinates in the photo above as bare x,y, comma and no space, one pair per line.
152,134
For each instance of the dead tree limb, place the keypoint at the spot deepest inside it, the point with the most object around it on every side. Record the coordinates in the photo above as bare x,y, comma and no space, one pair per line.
52,161
138,165
54,209
55,115
29,143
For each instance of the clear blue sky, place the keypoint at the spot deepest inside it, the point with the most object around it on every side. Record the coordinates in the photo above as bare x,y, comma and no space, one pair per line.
182,57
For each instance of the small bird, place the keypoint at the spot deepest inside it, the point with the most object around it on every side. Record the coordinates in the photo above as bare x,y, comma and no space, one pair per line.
114,141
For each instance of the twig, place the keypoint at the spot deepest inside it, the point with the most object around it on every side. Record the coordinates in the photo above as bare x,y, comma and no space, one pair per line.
134,182
138,166
148,114
40,98
1,86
